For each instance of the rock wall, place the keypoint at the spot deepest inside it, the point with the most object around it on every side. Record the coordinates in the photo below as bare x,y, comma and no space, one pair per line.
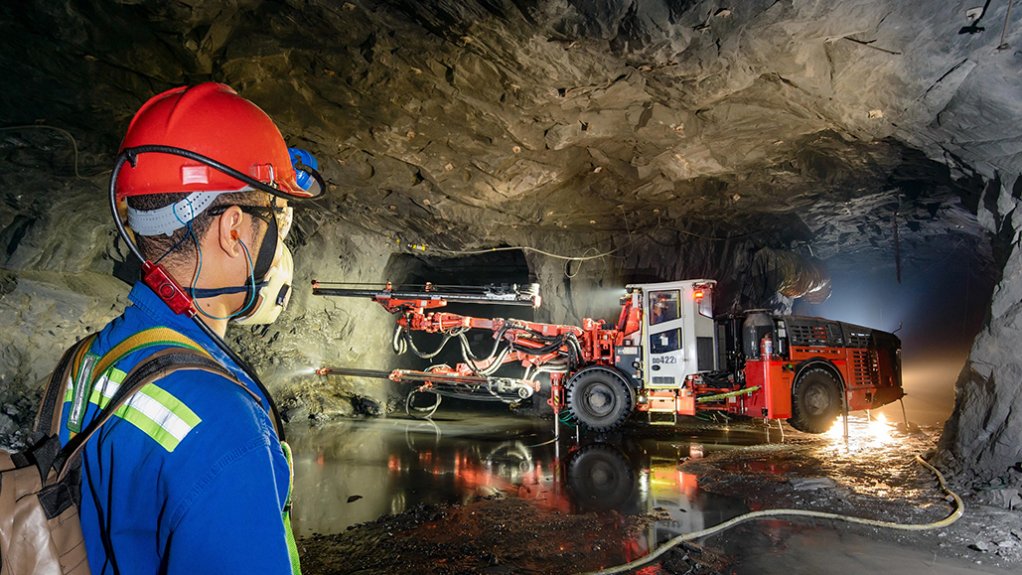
58,284
982,441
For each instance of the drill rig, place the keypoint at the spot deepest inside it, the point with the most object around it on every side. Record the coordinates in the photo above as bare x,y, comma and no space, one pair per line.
665,356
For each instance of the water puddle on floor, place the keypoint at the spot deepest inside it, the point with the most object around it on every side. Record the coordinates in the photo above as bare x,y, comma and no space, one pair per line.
569,498
355,471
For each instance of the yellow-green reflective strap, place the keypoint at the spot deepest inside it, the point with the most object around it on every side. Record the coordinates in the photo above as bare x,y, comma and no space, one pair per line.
289,534
152,409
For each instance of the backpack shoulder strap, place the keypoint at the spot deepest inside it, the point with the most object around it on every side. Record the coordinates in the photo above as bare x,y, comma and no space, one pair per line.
47,418
165,336
157,366
155,336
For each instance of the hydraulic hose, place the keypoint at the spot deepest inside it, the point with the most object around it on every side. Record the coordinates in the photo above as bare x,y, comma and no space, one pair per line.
494,364
424,355
425,412
768,513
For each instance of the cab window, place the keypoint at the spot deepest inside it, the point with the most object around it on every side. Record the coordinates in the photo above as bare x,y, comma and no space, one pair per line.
664,306
704,301
665,341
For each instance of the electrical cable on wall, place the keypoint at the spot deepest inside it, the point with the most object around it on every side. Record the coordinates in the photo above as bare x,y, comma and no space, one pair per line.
1004,29
422,247
768,513
61,131
525,249
567,265
567,259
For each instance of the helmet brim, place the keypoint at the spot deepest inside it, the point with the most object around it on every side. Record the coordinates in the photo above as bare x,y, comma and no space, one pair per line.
287,189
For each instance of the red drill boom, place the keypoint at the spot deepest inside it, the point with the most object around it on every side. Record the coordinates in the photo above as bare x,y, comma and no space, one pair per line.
538,347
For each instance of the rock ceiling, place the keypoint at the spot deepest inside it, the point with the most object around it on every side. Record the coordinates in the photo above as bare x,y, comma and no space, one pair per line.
474,123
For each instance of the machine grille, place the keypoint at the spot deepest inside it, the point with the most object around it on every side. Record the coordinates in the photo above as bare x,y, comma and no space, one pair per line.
812,332
857,338
864,370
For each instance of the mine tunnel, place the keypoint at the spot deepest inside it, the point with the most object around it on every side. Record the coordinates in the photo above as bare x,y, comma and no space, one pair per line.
510,286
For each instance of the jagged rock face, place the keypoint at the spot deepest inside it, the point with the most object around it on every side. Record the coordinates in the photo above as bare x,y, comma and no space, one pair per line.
981,441
671,139
481,122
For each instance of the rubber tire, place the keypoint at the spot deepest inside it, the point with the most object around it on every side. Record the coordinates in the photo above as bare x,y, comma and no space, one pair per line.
815,401
600,479
599,399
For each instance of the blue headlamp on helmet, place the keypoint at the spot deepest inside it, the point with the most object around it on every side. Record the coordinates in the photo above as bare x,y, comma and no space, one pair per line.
305,166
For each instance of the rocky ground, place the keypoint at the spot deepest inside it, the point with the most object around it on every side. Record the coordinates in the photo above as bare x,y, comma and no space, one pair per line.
872,476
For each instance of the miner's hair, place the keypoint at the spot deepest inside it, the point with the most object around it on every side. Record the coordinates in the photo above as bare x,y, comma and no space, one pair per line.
177,247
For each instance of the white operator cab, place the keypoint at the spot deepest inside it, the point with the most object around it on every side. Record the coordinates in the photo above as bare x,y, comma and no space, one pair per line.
678,331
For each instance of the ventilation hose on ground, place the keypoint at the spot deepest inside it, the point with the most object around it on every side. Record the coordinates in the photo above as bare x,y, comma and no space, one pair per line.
765,513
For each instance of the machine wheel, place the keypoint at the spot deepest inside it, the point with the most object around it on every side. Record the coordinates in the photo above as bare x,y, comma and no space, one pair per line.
599,399
815,401
600,478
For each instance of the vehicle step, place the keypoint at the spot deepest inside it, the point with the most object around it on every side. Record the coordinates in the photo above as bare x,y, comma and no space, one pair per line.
661,421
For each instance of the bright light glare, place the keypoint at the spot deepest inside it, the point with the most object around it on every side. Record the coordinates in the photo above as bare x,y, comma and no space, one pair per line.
863,432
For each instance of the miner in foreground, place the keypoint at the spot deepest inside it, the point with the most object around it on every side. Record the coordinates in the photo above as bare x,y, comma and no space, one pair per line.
191,474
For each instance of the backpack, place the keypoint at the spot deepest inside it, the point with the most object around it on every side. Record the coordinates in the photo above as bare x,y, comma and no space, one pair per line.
40,487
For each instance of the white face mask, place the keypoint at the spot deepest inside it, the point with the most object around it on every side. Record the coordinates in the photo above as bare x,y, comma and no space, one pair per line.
275,294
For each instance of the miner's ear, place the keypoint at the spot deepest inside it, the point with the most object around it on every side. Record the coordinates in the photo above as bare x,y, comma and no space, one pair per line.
228,229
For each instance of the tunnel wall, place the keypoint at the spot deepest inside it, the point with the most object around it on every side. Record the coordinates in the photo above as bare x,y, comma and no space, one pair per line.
982,441
57,285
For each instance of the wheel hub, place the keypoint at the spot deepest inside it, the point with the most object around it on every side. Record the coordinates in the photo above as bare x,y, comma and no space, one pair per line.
600,400
817,400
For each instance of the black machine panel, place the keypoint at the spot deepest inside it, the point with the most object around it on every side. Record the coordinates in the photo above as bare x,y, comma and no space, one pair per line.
704,353
627,359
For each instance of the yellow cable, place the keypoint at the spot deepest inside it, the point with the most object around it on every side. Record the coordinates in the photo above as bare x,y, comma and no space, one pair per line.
954,516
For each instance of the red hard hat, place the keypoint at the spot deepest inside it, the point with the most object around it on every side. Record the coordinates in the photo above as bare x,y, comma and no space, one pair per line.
212,120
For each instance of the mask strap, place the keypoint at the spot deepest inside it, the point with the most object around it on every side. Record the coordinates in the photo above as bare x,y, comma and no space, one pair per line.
204,293
250,300
267,249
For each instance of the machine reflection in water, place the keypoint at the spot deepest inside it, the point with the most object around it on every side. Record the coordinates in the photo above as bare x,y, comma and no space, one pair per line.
367,469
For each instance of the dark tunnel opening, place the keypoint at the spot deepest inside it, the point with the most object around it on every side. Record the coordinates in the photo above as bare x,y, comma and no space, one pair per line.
937,307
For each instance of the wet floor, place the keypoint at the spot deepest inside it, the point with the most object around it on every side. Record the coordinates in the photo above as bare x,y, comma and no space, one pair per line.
673,480
357,471
785,549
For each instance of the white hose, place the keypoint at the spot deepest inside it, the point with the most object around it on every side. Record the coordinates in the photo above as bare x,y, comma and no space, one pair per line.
954,516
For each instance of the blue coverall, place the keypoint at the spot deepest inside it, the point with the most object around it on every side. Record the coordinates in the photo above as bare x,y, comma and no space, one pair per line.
190,477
